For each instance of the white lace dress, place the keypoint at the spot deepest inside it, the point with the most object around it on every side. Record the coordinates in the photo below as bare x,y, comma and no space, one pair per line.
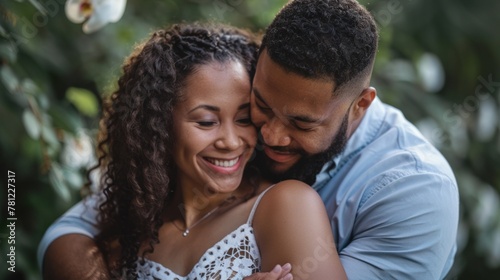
232,258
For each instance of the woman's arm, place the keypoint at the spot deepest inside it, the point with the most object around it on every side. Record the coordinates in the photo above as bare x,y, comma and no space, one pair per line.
291,226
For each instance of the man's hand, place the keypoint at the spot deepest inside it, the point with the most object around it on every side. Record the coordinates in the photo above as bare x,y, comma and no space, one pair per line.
74,256
278,273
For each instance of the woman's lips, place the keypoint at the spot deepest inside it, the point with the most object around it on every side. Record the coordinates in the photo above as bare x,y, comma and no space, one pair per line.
225,166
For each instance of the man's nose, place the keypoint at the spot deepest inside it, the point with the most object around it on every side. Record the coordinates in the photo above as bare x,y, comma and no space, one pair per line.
274,133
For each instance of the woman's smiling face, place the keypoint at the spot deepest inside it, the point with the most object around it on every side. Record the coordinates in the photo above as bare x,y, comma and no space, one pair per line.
214,138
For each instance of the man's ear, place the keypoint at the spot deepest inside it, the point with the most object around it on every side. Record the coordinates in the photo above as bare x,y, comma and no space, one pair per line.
363,102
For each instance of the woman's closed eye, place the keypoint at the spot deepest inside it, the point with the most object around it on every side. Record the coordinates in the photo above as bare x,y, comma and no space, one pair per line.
206,123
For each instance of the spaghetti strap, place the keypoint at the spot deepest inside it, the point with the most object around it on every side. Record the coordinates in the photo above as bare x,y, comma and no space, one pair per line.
256,203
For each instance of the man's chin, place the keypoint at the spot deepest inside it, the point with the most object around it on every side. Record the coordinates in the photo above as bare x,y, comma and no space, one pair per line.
278,171
270,169
278,168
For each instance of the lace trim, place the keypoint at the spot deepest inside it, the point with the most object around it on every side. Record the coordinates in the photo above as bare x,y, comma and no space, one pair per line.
234,257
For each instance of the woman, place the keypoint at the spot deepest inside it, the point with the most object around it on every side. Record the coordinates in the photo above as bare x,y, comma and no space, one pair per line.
179,202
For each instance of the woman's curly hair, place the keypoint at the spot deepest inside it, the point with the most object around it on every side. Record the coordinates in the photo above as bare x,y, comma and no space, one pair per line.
135,141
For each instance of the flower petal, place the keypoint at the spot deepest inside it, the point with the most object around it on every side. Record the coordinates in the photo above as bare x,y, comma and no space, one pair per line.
112,10
96,22
73,11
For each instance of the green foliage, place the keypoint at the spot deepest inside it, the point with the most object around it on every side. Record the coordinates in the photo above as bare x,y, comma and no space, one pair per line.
83,100
438,62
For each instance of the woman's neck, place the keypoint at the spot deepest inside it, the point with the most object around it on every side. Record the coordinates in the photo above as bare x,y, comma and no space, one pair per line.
193,202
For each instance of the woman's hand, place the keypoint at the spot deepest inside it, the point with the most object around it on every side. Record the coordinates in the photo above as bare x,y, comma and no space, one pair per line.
278,273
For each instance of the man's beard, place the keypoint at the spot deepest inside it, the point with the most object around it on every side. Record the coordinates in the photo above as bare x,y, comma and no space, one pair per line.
308,166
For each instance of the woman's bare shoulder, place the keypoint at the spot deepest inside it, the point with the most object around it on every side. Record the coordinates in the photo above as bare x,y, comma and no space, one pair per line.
287,200
290,225
292,192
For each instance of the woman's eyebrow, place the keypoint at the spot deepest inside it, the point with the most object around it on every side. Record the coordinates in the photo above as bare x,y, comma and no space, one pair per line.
206,107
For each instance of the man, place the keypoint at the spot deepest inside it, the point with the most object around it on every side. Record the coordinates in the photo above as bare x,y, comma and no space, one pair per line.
391,197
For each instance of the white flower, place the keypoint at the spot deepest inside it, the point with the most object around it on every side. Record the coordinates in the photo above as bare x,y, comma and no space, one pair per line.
95,13
431,72
78,151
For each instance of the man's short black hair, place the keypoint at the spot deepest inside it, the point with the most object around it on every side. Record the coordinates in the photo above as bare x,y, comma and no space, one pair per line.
332,39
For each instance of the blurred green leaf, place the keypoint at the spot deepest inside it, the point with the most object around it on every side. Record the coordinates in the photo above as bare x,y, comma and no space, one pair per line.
31,124
9,79
29,87
8,52
84,100
3,32
38,6
50,137
65,119
43,101
74,178
56,178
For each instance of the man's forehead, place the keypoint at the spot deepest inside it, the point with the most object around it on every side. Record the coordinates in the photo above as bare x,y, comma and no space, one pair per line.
297,106
275,78
293,94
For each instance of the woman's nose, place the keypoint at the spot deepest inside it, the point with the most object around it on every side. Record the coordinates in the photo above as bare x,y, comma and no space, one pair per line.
229,138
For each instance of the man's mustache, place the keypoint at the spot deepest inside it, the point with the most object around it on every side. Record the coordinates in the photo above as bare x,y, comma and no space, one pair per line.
280,149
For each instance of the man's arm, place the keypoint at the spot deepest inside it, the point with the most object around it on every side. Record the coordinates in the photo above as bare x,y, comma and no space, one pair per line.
405,230
74,256
67,250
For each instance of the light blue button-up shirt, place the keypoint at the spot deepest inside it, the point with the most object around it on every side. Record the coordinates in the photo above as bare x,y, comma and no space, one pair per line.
392,200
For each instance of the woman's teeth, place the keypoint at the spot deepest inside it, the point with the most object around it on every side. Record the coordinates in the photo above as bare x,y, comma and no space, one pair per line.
223,163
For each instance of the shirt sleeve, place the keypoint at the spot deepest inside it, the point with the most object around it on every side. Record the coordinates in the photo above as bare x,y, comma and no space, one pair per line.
80,219
405,229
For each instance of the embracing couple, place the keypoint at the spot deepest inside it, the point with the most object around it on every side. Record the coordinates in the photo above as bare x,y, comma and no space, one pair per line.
226,158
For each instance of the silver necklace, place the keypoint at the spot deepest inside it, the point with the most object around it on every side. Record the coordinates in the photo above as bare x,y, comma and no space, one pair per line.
186,231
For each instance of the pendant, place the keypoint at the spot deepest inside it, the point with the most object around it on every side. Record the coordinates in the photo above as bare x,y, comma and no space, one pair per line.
185,233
